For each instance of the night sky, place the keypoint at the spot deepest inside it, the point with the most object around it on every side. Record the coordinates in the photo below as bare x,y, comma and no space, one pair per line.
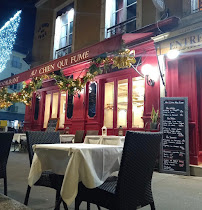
8,8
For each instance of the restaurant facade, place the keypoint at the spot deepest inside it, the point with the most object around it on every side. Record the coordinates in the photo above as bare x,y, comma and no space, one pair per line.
117,97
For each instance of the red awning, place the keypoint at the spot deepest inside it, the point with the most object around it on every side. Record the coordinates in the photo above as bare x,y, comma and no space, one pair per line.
106,46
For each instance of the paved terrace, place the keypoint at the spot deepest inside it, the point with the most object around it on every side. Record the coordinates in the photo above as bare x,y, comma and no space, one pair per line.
171,192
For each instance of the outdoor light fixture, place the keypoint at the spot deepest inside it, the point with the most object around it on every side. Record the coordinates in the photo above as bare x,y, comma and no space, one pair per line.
172,54
146,69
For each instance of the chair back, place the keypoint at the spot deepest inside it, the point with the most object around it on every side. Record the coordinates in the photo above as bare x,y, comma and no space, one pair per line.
40,137
92,132
138,159
79,136
5,145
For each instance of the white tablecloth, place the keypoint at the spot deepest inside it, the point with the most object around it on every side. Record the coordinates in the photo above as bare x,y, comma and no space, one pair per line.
19,136
90,163
107,140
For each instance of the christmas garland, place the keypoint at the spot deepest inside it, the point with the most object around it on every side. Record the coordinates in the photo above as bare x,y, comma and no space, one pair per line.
123,59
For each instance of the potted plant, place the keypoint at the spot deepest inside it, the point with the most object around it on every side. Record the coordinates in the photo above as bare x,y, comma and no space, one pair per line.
154,119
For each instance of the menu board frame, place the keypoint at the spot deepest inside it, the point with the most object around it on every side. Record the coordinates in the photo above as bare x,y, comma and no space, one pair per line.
186,125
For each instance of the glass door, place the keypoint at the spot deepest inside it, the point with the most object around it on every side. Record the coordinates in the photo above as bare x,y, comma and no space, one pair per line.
62,109
47,110
109,104
122,103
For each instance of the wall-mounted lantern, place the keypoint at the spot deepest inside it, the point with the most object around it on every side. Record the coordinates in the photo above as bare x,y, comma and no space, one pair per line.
149,70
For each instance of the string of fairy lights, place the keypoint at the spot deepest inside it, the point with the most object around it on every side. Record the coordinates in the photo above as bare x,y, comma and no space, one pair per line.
8,35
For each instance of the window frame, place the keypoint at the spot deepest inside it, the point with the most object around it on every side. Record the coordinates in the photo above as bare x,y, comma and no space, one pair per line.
112,16
129,106
96,98
58,49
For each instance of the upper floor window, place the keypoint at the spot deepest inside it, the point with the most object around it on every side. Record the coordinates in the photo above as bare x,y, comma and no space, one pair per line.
120,16
63,33
16,62
15,86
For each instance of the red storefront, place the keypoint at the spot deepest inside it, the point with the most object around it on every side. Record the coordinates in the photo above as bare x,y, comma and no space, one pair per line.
114,103
114,99
184,78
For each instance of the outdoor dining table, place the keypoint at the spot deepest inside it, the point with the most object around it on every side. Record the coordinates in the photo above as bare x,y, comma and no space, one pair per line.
90,163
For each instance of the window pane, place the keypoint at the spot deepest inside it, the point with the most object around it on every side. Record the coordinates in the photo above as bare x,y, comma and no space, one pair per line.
70,39
47,110
63,42
62,109
36,111
122,103
64,18
131,26
55,105
70,106
71,27
138,101
109,104
119,4
131,11
64,31
69,50
131,2
92,100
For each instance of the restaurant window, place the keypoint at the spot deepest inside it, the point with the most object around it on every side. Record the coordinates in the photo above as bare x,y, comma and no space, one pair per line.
109,104
120,16
62,109
122,103
36,111
55,105
92,99
63,32
138,102
70,106
47,110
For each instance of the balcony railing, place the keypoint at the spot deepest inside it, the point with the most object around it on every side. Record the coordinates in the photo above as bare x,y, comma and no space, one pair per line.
63,51
127,26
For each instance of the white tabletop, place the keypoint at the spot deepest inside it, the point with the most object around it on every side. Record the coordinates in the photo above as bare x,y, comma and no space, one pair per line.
90,163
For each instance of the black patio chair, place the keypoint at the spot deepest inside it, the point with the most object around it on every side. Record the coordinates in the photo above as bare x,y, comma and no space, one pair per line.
47,179
132,188
92,132
79,136
5,145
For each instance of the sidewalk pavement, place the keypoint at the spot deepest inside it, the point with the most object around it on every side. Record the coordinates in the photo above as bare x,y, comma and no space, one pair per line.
171,192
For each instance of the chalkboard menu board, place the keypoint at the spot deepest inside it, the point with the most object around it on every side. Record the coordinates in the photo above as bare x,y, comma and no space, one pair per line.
174,156
52,124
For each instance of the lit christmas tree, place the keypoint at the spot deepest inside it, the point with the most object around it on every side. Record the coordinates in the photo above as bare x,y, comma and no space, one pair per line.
7,39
